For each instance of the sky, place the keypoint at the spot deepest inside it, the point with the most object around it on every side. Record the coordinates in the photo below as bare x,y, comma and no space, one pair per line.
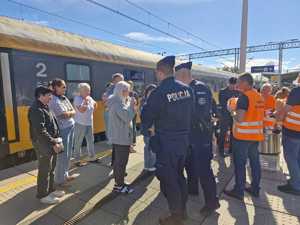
217,22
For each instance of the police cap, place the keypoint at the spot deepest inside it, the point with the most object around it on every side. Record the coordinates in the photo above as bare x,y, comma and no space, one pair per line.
187,65
168,61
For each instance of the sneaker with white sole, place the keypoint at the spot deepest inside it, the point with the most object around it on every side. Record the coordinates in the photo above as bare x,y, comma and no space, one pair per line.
72,177
152,169
58,193
124,189
93,159
50,200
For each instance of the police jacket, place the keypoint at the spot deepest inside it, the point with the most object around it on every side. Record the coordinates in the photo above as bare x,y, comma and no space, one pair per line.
169,108
43,127
203,105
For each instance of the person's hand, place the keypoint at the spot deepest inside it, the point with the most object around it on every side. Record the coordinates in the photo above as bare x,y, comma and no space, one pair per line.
132,101
85,102
84,106
57,148
215,119
151,130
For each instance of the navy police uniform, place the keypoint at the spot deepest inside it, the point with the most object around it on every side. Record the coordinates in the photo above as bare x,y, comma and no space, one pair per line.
169,108
198,164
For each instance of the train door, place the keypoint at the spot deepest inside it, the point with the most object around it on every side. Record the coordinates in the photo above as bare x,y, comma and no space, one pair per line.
3,125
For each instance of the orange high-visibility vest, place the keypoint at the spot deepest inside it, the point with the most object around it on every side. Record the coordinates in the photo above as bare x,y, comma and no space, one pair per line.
269,105
251,128
231,104
292,119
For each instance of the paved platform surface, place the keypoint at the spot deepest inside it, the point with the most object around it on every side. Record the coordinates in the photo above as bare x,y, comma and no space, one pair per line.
90,201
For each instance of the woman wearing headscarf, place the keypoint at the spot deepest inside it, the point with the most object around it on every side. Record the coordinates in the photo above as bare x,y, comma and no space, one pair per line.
121,110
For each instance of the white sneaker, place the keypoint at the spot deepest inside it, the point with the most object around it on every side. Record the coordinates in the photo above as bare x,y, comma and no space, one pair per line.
49,200
72,177
92,159
58,194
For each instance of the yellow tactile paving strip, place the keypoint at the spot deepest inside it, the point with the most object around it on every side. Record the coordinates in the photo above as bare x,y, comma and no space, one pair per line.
26,181
29,180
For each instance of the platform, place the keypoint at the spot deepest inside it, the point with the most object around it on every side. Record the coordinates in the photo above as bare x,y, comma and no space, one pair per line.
90,201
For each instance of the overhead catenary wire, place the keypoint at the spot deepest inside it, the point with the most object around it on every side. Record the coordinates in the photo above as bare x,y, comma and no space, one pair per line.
177,27
170,23
144,24
129,40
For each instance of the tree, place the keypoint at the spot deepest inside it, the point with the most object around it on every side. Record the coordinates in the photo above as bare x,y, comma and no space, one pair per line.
230,69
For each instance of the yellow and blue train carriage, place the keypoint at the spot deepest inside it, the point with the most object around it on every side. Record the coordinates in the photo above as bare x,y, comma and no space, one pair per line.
31,55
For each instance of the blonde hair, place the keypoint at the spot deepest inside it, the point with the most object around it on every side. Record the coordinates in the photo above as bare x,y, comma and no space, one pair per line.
266,85
82,86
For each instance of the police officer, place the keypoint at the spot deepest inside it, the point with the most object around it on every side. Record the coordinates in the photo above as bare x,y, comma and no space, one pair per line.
198,164
225,117
169,109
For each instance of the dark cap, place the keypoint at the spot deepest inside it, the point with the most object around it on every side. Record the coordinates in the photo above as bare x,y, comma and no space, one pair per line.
187,65
167,61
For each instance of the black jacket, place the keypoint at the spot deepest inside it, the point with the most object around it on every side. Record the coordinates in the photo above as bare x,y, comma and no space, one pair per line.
224,95
43,127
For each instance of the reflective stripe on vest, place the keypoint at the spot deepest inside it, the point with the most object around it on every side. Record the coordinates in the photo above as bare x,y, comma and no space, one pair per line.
294,114
251,129
292,120
258,123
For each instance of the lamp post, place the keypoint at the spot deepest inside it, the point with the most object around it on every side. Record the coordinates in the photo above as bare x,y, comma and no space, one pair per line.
244,34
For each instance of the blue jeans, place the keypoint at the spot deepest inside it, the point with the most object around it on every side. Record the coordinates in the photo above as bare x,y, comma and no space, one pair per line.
80,132
106,118
63,158
291,150
149,156
242,150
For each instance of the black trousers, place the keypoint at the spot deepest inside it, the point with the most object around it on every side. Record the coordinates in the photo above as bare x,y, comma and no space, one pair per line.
226,124
46,166
169,170
198,167
121,155
134,129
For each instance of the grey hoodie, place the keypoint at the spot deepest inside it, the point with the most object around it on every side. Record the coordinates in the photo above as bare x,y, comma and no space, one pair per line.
119,121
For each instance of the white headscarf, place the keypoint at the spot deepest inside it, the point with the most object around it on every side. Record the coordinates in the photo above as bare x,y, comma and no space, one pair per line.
119,88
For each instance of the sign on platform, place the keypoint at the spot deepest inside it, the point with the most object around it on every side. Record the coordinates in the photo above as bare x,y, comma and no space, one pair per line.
262,69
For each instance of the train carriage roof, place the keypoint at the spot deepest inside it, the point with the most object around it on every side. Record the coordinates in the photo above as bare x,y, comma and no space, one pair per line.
17,34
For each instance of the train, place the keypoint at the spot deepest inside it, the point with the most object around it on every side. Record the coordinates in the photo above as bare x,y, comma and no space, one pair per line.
31,55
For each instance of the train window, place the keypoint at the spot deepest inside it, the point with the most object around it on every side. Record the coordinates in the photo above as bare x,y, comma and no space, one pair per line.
72,89
78,72
138,78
